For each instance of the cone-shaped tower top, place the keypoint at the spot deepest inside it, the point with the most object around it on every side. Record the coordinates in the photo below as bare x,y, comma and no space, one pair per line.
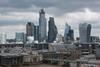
42,11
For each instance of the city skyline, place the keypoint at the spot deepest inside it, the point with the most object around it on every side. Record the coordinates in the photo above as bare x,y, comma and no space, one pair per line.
49,33
73,12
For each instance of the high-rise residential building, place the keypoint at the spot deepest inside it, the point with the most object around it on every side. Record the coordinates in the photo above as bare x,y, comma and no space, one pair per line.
68,33
29,29
42,26
36,33
84,32
20,37
3,37
52,33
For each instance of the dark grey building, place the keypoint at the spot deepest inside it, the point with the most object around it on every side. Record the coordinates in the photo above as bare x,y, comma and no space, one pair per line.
97,50
52,33
29,29
71,34
36,33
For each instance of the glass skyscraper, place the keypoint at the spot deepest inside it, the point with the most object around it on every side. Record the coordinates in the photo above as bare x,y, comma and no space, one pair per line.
84,32
68,33
52,33
20,37
36,33
42,26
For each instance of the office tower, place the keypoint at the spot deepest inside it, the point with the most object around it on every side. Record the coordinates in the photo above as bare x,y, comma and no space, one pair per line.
3,37
36,33
71,34
68,33
52,33
20,37
84,32
29,29
42,26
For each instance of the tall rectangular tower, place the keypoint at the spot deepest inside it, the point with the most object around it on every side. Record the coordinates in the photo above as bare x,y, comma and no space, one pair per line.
42,26
29,29
36,33
85,32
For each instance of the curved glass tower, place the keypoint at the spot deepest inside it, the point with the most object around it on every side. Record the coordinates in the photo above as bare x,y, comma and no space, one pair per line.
52,33
84,32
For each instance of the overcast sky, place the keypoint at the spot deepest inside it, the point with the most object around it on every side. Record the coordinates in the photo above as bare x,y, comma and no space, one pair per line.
14,14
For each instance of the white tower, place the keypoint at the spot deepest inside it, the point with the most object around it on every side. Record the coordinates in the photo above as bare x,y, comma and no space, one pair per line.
3,37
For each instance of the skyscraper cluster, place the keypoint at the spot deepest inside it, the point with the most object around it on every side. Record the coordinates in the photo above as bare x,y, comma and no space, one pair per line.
40,32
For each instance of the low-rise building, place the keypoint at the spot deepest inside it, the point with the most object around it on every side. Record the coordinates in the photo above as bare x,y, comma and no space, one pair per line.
10,59
19,56
61,53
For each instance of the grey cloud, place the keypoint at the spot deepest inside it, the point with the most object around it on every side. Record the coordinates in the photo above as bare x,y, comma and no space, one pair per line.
62,6
14,22
96,26
55,7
